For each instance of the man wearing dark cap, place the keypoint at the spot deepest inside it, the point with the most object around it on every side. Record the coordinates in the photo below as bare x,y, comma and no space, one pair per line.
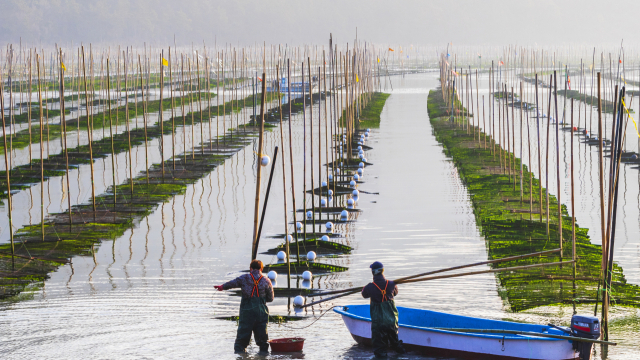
384,315
257,290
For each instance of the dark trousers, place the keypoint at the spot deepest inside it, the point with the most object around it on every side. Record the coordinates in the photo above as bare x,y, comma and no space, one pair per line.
383,337
260,334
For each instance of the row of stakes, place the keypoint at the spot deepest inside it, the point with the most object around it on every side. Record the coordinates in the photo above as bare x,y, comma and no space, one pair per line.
344,215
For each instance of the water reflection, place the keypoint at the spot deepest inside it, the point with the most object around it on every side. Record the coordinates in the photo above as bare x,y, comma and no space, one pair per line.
119,302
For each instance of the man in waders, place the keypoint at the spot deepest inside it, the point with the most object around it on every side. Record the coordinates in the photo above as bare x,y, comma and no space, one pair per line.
384,315
254,314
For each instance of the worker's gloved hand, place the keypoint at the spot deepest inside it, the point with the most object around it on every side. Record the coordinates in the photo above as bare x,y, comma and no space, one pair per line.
219,287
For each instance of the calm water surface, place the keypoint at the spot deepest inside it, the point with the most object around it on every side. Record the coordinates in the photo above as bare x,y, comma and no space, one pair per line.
149,294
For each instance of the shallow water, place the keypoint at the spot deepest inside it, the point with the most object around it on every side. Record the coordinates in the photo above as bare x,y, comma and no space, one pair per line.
149,294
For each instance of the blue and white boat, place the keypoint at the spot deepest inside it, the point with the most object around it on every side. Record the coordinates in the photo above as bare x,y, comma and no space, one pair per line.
417,329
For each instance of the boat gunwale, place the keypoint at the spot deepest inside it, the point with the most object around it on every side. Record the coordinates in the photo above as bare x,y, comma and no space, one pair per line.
338,309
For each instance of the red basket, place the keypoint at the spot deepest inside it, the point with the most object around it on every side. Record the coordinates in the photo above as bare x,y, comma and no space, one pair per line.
287,344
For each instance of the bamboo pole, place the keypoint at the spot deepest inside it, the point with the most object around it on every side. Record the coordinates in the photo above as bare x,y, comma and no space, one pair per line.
555,85
457,267
284,181
144,121
41,146
258,177
160,118
293,183
7,168
63,126
89,134
438,277
126,113
173,115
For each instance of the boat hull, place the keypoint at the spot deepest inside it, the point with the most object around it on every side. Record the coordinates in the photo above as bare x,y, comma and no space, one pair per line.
466,345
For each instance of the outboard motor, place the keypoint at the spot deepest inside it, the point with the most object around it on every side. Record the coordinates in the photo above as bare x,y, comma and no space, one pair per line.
584,327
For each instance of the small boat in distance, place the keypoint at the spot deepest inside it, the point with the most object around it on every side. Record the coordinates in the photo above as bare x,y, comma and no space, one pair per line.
419,330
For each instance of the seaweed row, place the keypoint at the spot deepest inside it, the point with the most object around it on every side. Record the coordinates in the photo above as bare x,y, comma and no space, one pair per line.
41,248
514,227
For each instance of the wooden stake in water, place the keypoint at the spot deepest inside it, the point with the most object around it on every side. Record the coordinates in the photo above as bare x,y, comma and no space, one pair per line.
89,135
284,183
559,189
113,164
63,126
293,183
173,115
126,113
573,205
144,120
160,118
41,146
254,249
7,167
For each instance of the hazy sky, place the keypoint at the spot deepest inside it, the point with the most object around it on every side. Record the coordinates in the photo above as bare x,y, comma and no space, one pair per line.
419,22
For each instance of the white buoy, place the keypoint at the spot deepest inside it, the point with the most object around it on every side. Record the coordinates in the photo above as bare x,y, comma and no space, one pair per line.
330,177
361,165
307,275
350,202
364,159
356,177
359,142
344,214
311,255
330,192
360,172
368,129
352,183
366,134
337,170
361,156
325,238
324,183
359,148
309,214
329,225
282,255
298,226
272,275
288,238
323,203
298,301
360,151
355,198
265,160
355,192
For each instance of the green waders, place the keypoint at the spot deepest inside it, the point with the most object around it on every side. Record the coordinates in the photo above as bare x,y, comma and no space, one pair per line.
254,316
384,326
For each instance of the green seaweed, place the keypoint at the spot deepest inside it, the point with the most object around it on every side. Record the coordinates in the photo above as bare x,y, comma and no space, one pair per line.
510,228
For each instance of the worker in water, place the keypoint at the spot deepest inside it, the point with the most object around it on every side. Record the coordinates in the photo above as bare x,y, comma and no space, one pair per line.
384,315
257,291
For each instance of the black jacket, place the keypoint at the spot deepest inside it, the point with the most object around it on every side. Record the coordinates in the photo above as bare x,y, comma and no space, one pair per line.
372,292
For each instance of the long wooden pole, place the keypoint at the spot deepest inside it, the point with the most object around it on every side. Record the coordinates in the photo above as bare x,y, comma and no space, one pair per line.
293,183
254,248
284,180
89,134
63,126
445,277
41,146
458,267
6,165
